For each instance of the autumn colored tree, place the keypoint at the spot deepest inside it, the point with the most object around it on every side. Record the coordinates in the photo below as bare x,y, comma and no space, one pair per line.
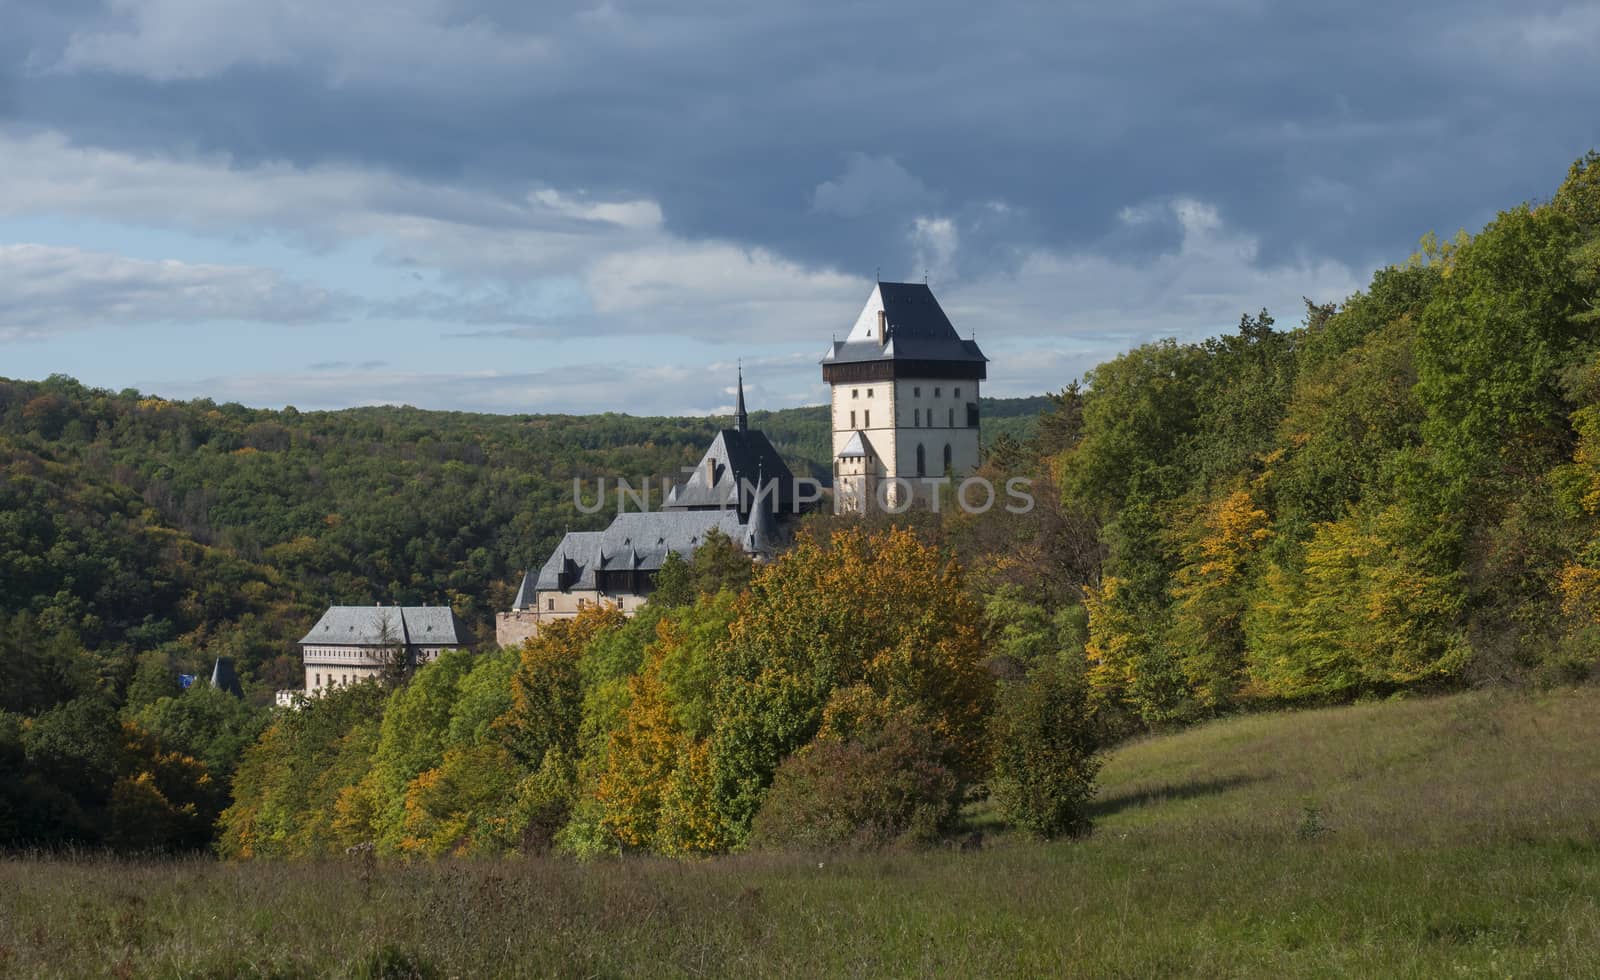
1364,612
887,612
1210,595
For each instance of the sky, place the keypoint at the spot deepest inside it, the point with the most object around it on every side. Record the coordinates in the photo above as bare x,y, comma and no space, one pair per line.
505,206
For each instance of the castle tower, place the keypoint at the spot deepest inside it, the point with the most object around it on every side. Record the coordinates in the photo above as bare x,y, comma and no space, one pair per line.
905,399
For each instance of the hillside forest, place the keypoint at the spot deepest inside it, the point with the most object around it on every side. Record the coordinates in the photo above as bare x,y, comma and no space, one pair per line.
1401,493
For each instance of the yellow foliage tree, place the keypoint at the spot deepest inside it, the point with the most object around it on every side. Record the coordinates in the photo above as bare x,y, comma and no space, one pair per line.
1209,595
1365,612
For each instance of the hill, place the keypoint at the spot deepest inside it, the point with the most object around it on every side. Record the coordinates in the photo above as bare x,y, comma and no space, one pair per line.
1429,837
134,523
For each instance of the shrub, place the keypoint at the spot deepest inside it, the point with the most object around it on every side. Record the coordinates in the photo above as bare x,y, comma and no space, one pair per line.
868,790
1044,747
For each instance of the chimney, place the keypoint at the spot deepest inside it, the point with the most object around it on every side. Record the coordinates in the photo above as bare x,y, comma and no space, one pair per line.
883,327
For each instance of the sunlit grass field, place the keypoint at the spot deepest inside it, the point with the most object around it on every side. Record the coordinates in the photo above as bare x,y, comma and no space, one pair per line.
1455,836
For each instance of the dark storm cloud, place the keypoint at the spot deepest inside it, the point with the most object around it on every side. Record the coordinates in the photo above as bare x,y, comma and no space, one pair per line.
822,131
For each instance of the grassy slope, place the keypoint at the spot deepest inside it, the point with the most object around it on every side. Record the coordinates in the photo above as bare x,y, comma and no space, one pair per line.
1450,836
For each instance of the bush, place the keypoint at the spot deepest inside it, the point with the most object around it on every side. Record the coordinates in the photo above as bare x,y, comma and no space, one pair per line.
1044,746
861,792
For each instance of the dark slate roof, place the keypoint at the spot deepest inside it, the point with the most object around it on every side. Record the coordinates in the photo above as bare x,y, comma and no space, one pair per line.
224,678
638,542
641,541
918,329
575,555
738,456
378,625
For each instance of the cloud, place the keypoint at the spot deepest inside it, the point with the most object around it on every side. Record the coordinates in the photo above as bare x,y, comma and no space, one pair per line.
936,241
1075,177
344,40
542,260
1061,313
870,185
53,289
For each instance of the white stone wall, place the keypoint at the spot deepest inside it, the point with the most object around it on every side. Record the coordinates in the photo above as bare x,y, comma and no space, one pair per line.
905,413
328,667
874,414
933,414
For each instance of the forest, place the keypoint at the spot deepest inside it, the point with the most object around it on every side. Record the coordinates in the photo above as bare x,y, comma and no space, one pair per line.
1399,494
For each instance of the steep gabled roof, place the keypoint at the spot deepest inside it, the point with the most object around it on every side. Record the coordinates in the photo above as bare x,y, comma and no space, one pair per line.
576,556
736,456
917,330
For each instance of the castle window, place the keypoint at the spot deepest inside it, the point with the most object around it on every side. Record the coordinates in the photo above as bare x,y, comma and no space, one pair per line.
550,605
922,462
947,457
868,424
869,392
958,392
852,420
936,392
319,681
916,418
916,392
952,422
855,392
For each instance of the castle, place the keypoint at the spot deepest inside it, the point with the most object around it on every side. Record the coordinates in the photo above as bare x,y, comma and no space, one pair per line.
741,488
904,363
902,360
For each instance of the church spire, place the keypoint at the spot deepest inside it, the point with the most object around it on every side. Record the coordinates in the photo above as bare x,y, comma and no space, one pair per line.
741,420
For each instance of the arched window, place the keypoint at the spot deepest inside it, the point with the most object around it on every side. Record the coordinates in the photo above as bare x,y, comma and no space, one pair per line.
947,457
922,462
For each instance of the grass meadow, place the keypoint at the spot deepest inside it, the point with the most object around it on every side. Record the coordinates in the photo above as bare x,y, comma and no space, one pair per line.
1452,836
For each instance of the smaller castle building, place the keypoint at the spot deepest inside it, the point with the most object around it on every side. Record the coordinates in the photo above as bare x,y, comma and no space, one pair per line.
350,644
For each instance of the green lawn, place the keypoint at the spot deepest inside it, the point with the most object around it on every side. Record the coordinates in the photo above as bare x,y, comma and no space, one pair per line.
1454,836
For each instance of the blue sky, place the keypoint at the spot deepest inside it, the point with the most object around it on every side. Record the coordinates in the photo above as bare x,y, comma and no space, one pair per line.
516,207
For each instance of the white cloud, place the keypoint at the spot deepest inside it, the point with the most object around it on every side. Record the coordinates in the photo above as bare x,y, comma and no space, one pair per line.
348,40
1063,313
934,242
869,185
51,289
627,214
496,255
544,262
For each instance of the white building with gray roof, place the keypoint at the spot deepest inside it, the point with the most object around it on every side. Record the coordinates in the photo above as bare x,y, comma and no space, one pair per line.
350,644
905,399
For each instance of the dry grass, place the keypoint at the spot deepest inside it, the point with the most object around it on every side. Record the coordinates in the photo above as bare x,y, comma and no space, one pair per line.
1444,837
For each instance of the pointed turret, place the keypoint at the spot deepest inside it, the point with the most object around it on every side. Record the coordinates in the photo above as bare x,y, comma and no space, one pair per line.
741,420
224,678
